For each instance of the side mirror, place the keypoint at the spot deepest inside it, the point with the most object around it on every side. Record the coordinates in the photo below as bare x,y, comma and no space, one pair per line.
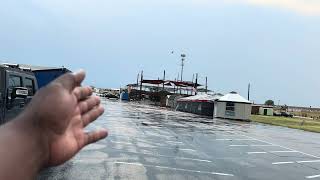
20,92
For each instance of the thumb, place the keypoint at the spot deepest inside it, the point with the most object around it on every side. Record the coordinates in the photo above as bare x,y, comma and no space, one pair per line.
71,80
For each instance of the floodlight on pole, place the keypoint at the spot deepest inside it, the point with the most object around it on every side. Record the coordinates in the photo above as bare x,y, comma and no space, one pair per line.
183,56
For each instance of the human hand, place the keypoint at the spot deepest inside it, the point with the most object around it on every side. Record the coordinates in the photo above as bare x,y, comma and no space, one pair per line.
60,112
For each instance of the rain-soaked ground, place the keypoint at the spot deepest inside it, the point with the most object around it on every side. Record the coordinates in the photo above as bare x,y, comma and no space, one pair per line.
147,142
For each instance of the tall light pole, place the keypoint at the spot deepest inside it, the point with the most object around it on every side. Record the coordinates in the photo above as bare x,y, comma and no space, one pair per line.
183,56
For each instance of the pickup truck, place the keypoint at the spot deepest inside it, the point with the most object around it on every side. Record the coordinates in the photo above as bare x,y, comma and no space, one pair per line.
17,87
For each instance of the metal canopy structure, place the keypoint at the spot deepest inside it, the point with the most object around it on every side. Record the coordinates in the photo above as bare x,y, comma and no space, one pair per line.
171,83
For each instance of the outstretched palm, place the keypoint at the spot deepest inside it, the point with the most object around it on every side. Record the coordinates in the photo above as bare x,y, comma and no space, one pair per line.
65,109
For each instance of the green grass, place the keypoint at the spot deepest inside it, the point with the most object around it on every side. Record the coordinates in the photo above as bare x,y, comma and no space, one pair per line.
313,114
308,125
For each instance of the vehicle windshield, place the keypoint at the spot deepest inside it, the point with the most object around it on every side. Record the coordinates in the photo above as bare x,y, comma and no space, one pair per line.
192,89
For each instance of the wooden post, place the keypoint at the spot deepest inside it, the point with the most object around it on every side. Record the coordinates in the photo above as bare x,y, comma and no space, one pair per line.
158,85
164,78
206,85
178,80
249,86
138,80
192,82
174,86
196,87
141,85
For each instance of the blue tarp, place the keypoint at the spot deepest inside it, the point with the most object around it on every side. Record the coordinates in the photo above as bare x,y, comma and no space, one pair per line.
124,96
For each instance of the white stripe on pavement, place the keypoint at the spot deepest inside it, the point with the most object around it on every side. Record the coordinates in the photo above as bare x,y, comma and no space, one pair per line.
176,169
261,145
279,163
292,162
283,151
223,139
235,140
117,142
312,177
257,152
312,161
284,147
159,155
253,145
174,142
264,152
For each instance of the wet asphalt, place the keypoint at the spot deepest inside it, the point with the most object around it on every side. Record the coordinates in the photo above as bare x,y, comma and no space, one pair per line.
148,142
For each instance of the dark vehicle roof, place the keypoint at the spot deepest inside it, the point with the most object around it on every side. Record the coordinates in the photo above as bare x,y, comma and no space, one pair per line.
16,70
42,68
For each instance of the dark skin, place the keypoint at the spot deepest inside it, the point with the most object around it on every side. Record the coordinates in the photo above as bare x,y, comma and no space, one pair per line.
50,131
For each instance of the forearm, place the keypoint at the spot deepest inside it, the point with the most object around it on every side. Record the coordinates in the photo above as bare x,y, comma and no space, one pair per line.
22,149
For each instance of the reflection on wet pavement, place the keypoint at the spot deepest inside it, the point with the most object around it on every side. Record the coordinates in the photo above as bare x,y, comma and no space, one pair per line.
149,142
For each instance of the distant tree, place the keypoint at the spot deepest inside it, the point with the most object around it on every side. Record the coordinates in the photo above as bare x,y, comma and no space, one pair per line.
269,103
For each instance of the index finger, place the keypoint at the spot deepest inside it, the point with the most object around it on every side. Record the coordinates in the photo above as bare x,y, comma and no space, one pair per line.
79,77
71,80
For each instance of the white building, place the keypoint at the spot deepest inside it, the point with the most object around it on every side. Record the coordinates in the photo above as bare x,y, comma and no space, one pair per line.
266,111
232,106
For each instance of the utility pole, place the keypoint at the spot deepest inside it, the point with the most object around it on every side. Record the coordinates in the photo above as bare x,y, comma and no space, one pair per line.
138,80
182,65
196,84
249,86
164,78
141,85
178,84
174,86
206,85
192,82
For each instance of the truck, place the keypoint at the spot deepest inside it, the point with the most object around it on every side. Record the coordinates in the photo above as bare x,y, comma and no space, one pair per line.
45,75
17,87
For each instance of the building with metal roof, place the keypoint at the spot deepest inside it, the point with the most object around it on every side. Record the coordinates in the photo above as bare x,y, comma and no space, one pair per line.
232,106
233,97
202,98
199,104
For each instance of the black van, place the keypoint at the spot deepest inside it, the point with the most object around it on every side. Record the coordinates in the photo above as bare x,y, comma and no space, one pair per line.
17,87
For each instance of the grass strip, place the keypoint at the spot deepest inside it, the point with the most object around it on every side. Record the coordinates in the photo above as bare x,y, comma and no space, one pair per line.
296,123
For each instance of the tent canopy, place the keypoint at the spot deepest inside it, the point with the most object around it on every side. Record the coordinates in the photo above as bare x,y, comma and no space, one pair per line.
171,83
234,97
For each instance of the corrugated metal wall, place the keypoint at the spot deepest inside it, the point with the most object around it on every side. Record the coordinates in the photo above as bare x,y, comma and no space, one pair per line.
201,108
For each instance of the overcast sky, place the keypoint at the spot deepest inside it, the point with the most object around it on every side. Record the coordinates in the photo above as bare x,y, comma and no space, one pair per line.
273,44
